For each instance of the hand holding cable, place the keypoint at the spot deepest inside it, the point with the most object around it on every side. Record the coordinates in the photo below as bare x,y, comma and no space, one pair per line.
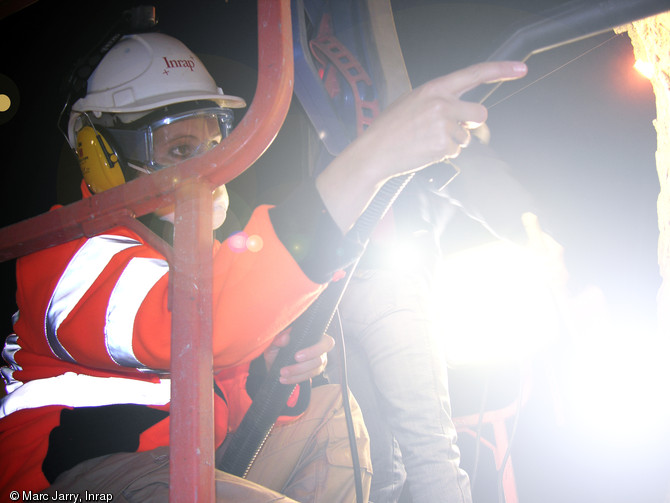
310,361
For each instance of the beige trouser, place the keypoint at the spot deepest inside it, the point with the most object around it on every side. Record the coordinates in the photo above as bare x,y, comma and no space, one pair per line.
307,460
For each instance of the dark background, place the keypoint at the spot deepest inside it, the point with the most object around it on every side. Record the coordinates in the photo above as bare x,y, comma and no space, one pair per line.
580,139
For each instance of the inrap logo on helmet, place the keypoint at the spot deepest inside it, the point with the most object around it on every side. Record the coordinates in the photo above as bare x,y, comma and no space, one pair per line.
178,63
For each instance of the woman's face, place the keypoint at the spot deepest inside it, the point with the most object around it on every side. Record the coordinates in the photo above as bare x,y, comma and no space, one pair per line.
184,139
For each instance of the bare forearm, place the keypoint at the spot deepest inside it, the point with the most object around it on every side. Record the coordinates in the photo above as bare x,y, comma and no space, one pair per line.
347,186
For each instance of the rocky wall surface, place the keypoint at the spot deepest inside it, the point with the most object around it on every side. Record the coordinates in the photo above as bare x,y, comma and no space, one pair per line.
651,43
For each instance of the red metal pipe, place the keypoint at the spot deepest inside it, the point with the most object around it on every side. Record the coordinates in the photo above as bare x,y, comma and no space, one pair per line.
192,401
191,418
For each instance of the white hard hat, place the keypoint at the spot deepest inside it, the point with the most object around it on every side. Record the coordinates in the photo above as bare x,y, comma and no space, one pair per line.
144,84
146,71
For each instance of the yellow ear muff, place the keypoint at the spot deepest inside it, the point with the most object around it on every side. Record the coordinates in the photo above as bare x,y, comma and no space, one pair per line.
98,162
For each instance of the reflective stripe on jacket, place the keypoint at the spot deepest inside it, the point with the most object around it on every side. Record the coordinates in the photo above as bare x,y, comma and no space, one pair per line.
138,277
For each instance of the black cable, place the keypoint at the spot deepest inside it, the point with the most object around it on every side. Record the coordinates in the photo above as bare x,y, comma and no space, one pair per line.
270,399
346,403
257,423
564,24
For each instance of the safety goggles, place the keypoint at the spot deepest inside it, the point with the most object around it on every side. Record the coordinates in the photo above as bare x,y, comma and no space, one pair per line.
171,139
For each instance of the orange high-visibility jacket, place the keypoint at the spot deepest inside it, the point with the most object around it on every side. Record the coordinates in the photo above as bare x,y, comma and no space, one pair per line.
88,367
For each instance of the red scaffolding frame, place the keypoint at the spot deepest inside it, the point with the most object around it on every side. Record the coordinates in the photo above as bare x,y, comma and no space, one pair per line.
189,187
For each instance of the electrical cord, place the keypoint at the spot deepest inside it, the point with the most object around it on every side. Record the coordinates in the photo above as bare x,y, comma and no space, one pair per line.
346,403
271,397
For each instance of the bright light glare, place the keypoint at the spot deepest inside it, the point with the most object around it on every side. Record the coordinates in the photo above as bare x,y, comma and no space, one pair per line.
618,386
402,256
645,68
492,304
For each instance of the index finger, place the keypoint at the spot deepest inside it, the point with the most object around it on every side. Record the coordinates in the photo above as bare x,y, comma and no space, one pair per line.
466,79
